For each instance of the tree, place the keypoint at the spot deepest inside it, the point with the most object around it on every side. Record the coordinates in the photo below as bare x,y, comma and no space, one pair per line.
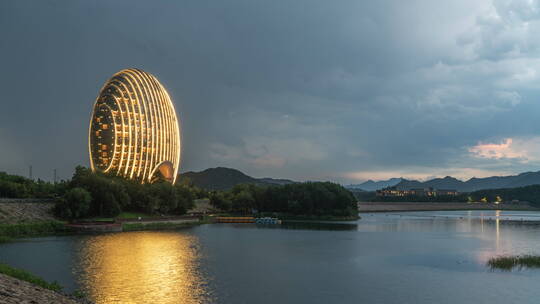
186,197
74,204
220,200
243,201
110,206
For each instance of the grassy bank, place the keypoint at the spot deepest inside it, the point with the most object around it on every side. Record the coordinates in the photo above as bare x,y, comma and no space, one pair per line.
510,262
28,277
157,226
11,231
134,215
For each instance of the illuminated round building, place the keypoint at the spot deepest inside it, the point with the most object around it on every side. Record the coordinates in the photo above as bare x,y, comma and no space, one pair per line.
133,130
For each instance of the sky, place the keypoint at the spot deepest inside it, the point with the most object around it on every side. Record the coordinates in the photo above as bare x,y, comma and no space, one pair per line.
308,90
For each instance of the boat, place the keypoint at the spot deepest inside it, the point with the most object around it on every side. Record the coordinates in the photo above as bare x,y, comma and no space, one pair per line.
267,221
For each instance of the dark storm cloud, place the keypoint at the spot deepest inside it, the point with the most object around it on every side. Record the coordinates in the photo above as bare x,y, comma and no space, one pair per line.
297,89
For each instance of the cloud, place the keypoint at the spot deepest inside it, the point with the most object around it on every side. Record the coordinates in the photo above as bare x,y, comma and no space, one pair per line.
265,152
311,90
269,161
522,149
507,29
497,151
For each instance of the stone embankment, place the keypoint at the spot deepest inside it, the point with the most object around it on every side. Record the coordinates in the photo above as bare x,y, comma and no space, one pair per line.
15,291
25,210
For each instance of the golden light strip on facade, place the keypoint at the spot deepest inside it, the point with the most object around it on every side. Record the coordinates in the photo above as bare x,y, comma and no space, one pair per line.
118,101
114,141
161,145
139,163
146,128
153,147
177,148
134,130
133,101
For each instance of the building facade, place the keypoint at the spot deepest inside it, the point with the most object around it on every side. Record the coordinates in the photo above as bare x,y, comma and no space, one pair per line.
134,131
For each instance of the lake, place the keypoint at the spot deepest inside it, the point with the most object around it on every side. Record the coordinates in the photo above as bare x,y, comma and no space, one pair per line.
410,257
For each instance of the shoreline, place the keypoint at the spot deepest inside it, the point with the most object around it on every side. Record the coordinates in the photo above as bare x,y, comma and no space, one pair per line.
14,232
20,286
374,207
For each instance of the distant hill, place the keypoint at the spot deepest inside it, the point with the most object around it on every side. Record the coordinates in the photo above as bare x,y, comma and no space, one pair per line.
372,185
276,181
474,184
221,178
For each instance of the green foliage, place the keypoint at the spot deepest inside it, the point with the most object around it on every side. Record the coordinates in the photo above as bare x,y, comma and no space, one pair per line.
528,193
364,196
28,277
132,215
79,294
14,186
109,205
508,263
5,239
312,198
74,204
31,229
110,195
243,201
220,200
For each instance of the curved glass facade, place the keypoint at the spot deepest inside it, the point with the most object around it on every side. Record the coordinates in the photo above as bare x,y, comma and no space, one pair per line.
134,131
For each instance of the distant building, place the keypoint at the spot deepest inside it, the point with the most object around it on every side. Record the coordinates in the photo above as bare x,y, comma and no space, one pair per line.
134,130
393,191
447,192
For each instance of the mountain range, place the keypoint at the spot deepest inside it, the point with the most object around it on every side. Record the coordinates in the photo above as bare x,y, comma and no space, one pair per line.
371,185
473,184
221,178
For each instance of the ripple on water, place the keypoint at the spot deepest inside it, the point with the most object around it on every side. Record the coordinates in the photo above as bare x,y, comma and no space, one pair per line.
141,267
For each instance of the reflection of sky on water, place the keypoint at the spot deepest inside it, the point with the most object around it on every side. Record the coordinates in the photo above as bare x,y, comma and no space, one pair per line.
417,258
496,232
469,214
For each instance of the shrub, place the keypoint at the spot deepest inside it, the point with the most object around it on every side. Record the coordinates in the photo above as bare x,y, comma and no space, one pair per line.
31,229
507,263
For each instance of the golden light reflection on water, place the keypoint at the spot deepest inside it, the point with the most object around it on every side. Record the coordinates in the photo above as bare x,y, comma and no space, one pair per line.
497,243
142,267
497,229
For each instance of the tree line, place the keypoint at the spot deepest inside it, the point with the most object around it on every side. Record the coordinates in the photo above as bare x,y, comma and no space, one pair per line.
311,198
15,186
527,194
90,194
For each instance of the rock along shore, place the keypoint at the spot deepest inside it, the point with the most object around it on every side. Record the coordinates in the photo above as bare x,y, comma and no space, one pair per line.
15,291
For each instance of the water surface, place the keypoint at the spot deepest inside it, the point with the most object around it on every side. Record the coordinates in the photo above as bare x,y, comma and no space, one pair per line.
416,257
